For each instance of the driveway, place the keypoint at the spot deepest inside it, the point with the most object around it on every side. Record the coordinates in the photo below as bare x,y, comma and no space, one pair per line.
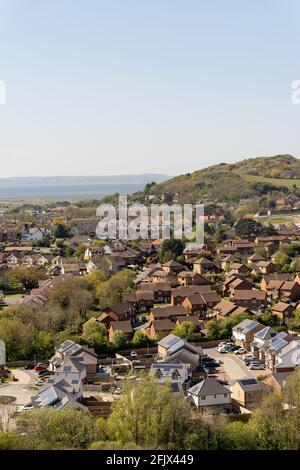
22,390
232,367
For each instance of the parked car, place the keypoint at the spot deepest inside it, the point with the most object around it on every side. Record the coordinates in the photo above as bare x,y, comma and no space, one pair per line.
30,366
249,358
240,351
255,366
118,391
223,350
231,348
40,367
27,407
133,354
40,382
45,373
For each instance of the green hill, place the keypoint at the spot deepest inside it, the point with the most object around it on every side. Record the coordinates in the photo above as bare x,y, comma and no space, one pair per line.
258,178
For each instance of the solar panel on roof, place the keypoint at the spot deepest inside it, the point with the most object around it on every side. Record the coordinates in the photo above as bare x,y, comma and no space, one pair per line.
248,381
281,335
48,396
250,325
279,343
172,341
75,381
67,368
262,332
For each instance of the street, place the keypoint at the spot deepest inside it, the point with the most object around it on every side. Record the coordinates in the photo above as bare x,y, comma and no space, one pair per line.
232,367
22,390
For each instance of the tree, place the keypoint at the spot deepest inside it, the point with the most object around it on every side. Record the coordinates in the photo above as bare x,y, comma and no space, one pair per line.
171,249
275,428
61,230
148,415
28,277
185,331
80,250
119,339
110,292
280,259
246,228
94,333
140,339
17,337
295,264
57,429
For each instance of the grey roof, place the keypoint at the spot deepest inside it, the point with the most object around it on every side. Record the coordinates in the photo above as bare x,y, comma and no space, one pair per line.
63,347
265,333
208,386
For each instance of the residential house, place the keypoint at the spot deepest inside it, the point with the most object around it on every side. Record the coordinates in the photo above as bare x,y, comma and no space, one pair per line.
247,393
197,304
160,328
92,251
204,265
172,267
189,278
289,357
69,349
235,282
168,312
164,276
264,267
236,285
161,291
274,277
254,259
210,394
252,299
179,294
57,396
142,301
124,326
172,349
178,373
238,268
261,341
227,261
225,309
283,311
121,311
277,381
243,333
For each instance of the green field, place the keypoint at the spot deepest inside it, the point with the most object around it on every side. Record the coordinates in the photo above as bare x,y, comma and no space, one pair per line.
288,182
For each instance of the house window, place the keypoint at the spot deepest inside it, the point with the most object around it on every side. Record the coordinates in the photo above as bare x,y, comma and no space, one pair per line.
203,398
225,395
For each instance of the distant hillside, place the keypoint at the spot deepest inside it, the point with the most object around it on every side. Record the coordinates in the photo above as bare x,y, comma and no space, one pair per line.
250,178
82,180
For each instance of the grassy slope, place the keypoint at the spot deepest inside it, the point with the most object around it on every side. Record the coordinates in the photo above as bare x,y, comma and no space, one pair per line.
288,182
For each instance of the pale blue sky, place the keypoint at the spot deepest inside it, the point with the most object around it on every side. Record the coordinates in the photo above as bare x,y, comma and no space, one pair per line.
134,86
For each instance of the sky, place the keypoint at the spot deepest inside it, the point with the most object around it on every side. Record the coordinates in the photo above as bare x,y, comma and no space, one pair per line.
103,87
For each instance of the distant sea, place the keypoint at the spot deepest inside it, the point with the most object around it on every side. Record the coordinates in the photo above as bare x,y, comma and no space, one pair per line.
65,188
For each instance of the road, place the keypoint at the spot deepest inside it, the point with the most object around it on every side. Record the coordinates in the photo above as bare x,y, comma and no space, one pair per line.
232,367
22,390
